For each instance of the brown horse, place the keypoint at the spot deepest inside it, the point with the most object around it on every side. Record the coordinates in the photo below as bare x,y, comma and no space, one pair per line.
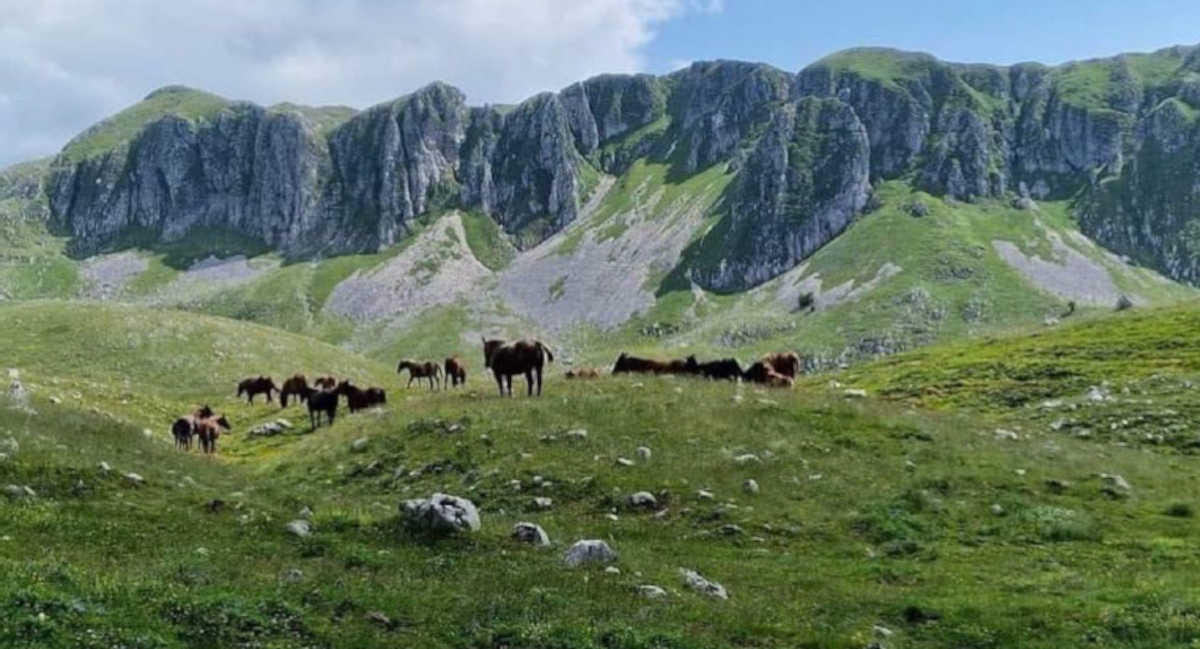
325,383
784,363
629,364
521,357
256,386
416,370
456,371
208,430
358,399
725,369
583,373
184,428
297,385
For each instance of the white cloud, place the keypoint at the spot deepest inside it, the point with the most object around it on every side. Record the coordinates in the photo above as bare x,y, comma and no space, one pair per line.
65,64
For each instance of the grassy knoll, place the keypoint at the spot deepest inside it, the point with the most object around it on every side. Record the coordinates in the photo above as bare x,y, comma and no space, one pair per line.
871,513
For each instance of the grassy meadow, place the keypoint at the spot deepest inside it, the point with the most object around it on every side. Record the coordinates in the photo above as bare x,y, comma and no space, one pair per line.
942,510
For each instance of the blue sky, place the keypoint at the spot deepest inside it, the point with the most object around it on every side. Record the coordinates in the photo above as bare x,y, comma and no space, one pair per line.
791,34
66,64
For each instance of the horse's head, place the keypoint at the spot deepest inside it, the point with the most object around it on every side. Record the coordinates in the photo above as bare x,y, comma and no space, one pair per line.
692,364
489,348
204,412
344,387
224,423
622,363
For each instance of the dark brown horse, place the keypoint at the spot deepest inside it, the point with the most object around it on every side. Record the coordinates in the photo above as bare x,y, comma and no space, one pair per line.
321,401
256,386
784,363
726,369
417,370
631,364
521,357
208,430
325,383
184,428
297,385
456,371
358,399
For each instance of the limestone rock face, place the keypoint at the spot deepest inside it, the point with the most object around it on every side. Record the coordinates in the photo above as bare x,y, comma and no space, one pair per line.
801,150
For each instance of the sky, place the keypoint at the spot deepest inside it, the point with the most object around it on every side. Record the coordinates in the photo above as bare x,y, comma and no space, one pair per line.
66,64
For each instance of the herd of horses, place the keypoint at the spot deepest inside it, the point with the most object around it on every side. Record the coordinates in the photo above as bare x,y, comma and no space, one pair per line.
504,359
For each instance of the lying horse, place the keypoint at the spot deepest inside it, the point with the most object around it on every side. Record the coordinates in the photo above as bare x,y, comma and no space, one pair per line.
416,370
583,373
297,385
358,399
208,430
761,372
727,369
184,428
631,364
521,357
784,363
254,387
319,401
456,371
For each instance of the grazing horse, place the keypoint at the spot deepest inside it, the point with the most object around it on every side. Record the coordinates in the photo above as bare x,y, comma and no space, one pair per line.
416,370
358,399
456,371
184,428
583,373
208,430
319,401
727,369
630,364
761,372
784,363
297,385
254,387
521,357
325,383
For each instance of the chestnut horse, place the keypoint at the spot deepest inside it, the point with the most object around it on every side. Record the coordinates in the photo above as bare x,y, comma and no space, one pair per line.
762,372
456,371
297,385
208,430
426,370
521,357
784,363
254,387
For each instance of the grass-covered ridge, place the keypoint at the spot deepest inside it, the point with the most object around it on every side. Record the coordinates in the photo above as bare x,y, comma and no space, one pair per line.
180,101
930,526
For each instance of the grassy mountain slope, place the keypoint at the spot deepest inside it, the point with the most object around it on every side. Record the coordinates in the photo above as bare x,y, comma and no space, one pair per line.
869,515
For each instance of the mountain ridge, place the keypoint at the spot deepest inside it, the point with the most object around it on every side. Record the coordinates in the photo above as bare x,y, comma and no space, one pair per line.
330,180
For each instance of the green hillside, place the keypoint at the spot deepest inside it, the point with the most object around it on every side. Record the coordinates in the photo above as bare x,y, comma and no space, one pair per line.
876,521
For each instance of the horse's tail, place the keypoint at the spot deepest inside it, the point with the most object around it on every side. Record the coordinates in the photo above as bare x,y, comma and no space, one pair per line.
545,350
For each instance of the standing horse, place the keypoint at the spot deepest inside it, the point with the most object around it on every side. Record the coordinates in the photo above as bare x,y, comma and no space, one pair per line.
521,357
319,401
426,370
325,383
456,371
297,385
254,387
208,430
184,428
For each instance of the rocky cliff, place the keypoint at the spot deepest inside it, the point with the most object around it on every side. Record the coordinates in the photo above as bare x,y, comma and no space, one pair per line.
1118,136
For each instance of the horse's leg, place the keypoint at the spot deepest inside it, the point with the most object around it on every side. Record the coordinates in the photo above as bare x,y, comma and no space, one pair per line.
410,380
539,379
529,383
508,383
